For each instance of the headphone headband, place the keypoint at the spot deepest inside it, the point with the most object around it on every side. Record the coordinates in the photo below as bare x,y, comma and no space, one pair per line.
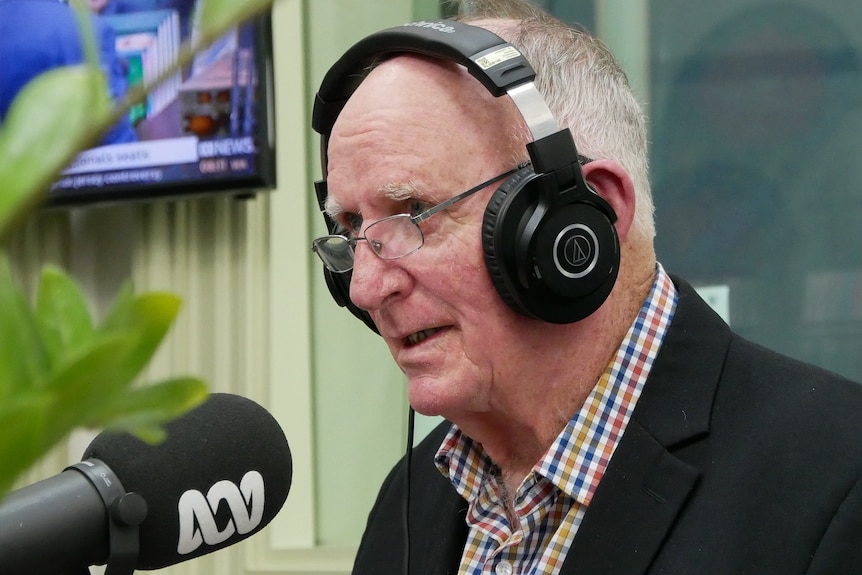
498,65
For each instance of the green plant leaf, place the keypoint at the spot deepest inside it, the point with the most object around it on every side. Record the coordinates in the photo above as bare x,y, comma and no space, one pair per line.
144,410
58,371
23,361
89,378
24,420
63,314
84,15
149,316
217,16
51,119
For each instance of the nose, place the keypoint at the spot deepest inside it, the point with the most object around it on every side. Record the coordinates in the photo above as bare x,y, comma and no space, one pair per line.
374,280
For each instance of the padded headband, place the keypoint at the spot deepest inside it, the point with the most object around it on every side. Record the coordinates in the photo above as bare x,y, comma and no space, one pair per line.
498,65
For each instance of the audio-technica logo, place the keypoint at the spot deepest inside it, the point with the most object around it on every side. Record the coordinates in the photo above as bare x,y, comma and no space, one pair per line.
197,512
576,251
439,26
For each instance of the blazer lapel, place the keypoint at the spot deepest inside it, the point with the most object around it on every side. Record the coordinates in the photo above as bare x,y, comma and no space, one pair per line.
632,510
646,486
445,538
437,513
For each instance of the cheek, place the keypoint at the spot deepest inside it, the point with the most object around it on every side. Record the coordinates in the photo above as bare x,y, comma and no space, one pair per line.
456,276
467,287
459,268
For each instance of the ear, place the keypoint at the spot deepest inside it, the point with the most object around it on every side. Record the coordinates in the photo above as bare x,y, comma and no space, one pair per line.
610,180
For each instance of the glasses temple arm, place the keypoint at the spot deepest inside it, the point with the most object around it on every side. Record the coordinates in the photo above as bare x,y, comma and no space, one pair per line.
440,207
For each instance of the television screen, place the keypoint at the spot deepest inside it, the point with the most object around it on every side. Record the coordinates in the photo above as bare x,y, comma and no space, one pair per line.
207,129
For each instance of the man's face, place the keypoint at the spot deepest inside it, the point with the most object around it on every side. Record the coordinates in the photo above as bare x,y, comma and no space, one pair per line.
414,134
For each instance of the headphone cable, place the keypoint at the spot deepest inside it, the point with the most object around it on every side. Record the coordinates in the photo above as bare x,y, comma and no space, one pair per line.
411,416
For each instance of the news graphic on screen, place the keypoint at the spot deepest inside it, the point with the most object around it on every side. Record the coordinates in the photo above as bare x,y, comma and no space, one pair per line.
207,129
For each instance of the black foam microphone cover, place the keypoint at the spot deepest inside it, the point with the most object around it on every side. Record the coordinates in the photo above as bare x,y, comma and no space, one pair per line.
222,474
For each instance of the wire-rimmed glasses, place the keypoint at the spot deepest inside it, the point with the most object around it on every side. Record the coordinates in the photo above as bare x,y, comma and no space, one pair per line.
392,237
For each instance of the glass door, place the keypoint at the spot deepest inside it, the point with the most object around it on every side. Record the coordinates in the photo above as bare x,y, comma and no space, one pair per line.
756,120
756,126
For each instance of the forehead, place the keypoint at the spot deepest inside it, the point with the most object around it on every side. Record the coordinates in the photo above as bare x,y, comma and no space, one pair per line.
415,118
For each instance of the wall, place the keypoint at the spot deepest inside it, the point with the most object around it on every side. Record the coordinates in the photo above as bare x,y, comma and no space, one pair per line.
257,319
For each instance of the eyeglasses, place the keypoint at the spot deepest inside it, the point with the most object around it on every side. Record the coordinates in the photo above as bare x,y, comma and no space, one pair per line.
392,237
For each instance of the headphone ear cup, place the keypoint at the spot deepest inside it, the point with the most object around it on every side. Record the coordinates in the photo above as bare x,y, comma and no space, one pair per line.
494,240
558,266
576,254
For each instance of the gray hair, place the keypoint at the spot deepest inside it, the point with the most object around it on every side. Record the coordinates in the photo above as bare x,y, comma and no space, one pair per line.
583,85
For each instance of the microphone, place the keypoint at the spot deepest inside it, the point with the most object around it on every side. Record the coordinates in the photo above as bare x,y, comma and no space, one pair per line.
222,474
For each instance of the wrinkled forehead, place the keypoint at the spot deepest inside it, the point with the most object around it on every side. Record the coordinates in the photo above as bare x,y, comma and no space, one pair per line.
411,91
411,111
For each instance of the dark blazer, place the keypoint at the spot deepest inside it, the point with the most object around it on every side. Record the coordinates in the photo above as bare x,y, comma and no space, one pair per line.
737,460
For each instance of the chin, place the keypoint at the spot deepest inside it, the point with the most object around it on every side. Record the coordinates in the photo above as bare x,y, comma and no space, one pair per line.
425,403
433,396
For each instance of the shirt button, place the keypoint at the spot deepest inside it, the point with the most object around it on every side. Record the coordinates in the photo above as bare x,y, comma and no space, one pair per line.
503,568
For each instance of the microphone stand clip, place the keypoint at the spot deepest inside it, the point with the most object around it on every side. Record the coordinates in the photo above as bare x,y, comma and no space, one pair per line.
126,511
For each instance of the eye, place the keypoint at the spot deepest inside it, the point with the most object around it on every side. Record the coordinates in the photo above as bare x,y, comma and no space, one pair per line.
416,207
352,222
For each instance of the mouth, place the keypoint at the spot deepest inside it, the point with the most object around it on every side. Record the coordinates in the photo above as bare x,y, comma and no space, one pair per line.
420,336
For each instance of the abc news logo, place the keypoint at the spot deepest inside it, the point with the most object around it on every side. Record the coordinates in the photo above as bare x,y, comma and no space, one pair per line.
197,512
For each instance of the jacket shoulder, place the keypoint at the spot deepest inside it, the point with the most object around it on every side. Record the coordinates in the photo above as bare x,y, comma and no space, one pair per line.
435,512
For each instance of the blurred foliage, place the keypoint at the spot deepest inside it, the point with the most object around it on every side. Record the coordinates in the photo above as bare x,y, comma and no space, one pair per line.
59,369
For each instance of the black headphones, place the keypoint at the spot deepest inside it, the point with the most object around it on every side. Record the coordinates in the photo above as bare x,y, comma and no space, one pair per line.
550,245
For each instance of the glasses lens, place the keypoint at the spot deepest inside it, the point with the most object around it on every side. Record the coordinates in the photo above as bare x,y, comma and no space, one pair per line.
394,237
335,252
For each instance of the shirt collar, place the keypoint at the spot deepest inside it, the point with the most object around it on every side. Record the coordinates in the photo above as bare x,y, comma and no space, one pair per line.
577,459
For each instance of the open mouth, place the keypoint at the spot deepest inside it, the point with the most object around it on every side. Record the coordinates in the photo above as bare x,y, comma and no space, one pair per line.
420,336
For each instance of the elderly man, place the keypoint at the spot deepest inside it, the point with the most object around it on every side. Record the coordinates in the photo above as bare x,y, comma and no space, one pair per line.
600,417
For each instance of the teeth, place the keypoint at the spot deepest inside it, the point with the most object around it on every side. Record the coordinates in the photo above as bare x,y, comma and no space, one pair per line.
420,336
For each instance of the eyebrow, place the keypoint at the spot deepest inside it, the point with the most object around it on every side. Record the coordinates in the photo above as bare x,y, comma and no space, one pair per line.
401,191
394,191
